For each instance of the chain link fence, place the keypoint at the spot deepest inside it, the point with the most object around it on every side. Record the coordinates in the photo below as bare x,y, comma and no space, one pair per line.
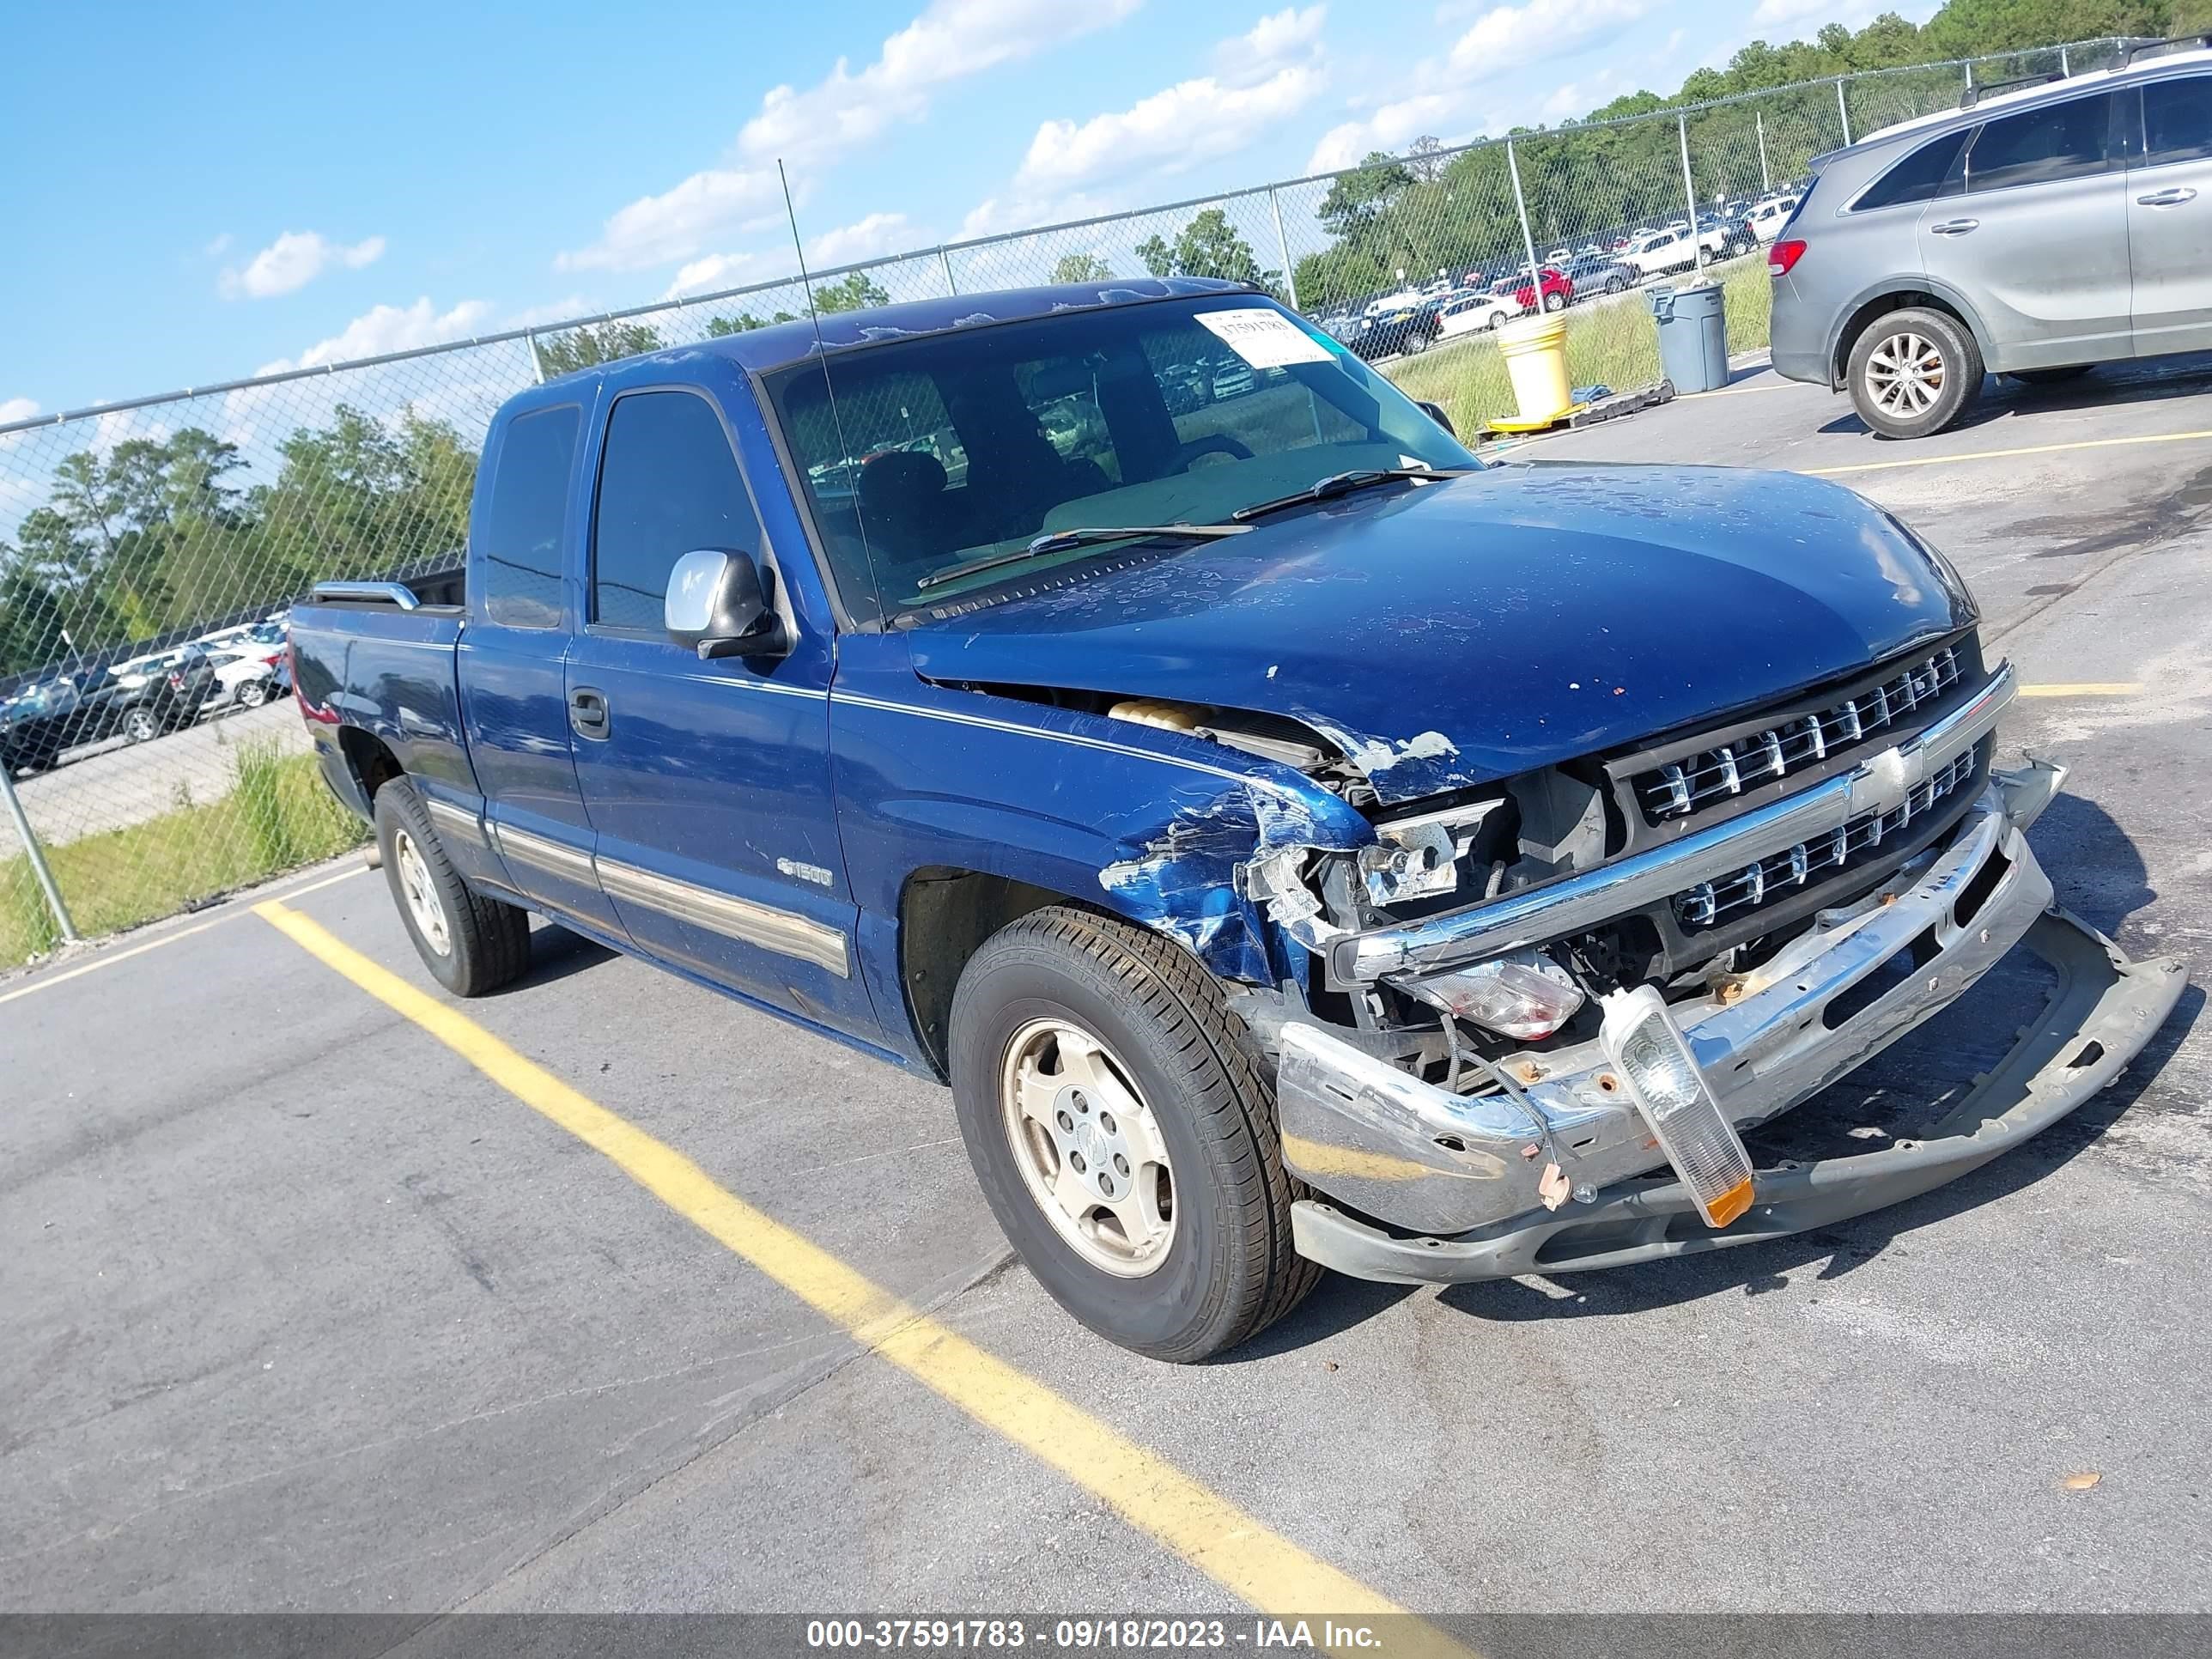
149,757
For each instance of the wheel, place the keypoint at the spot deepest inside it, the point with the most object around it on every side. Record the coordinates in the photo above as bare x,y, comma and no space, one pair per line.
1415,343
1914,372
1498,320
139,726
2049,376
470,944
254,693
1555,302
1616,284
1124,1141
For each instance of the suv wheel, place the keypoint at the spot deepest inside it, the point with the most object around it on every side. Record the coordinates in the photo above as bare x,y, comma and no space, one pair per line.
139,726
1914,372
1124,1141
254,693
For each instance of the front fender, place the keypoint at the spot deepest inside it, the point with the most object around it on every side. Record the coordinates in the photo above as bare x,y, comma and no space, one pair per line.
1147,823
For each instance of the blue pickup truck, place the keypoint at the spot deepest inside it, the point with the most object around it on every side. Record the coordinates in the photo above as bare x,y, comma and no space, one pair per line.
1296,844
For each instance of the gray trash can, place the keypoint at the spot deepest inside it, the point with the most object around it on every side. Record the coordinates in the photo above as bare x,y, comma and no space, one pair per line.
1692,336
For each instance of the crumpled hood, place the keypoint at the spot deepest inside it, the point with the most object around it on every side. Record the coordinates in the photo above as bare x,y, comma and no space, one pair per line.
1449,633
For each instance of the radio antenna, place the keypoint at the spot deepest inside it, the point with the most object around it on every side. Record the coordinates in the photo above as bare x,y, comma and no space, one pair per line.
836,421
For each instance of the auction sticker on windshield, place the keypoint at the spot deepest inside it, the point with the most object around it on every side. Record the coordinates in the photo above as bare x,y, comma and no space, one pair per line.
1264,338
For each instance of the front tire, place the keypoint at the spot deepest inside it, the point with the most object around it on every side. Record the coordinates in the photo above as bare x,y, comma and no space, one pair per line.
139,726
1914,372
254,693
470,944
1555,302
1123,1140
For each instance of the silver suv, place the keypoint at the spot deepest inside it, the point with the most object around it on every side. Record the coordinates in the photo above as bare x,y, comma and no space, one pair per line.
2034,234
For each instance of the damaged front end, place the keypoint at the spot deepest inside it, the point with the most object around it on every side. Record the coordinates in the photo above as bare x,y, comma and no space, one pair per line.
1519,1027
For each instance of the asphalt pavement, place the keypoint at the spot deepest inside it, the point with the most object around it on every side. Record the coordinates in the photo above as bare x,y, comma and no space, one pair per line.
314,1303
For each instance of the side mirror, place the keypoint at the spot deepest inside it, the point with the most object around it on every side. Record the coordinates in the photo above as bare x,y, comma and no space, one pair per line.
718,605
1436,412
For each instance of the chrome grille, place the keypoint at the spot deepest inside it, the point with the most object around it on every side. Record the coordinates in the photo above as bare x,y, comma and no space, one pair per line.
1795,867
1681,788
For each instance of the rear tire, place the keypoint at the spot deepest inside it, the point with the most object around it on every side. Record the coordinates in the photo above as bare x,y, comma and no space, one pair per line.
1123,1040
470,944
1555,302
139,726
1914,372
254,693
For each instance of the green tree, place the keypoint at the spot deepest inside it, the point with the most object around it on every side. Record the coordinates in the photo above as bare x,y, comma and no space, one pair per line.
582,347
744,322
854,293
1159,258
1082,268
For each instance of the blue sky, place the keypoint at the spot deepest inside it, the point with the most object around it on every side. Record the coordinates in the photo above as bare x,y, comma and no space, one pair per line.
199,192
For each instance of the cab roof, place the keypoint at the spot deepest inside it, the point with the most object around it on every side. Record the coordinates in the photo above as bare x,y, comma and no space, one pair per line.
781,343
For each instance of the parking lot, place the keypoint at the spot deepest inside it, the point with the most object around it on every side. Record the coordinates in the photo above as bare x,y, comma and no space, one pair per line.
605,1293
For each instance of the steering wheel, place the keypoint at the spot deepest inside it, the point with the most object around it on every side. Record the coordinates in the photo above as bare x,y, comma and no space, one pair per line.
1217,443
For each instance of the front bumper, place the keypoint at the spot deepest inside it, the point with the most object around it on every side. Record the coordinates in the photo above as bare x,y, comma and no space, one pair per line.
1460,1173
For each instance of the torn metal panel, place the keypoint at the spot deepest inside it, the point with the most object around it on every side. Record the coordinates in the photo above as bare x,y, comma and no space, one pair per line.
1221,869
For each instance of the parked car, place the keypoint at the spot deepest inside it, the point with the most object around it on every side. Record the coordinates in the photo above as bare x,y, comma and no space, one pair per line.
2037,232
1722,238
150,703
1659,251
48,717
249,678
1476,314
1601,275
1559,290
1404,330
1767,218
1246,945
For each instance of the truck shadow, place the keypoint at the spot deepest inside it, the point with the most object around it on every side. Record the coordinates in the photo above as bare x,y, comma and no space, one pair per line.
2152,380
2102,879
556,953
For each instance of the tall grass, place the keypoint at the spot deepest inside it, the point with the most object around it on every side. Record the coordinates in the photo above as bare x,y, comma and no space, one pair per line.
1614,345
279,816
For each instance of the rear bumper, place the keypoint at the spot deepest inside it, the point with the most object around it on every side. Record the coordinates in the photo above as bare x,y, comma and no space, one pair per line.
1460,1173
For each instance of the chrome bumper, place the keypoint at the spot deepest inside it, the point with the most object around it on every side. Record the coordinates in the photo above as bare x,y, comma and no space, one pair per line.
1440,1165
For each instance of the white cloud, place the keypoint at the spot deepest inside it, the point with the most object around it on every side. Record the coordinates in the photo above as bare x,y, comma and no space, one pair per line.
389,328
216,248
1265,74
949,40
877,234
715,270
16,409
678,223
553,310
1448,90
291,262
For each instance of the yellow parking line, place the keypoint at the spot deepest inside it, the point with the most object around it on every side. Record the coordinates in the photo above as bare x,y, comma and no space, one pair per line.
109,958
1213,1534
2083,689
2003,454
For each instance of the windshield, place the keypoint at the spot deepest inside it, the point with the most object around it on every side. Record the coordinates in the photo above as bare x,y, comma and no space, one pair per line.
952,449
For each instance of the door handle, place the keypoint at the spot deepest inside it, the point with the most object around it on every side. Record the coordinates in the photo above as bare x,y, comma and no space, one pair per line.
2174,197
587,711
1954,227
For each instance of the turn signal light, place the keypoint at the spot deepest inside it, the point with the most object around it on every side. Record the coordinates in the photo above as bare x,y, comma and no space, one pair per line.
1650,1053
1783,257
1526,995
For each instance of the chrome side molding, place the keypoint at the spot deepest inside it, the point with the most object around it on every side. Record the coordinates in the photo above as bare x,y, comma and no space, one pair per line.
783,931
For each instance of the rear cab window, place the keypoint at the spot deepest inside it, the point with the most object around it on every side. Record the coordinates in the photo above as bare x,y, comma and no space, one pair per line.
520,540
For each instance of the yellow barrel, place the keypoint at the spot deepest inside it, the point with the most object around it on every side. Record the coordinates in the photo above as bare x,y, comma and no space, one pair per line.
1535,350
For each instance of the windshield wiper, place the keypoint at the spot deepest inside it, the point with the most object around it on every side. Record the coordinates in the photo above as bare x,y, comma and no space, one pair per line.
1343,484
1056,541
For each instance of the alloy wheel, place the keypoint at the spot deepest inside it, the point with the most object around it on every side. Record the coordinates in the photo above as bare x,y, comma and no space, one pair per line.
1088,1147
